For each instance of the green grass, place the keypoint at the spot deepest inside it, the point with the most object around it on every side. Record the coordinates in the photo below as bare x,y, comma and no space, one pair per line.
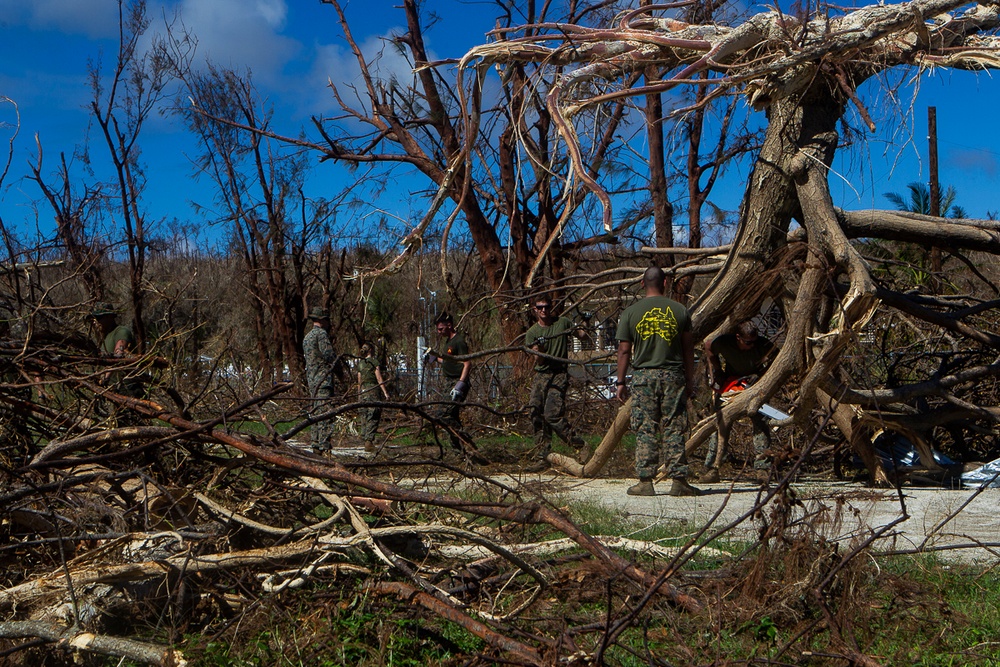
358,631
946,613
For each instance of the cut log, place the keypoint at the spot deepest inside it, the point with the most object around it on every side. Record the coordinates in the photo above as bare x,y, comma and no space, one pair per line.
604,450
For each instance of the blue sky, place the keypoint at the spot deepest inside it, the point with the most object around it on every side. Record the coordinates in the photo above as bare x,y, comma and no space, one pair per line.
293,47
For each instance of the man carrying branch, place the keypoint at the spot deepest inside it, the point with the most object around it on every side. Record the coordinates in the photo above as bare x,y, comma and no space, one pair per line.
550,336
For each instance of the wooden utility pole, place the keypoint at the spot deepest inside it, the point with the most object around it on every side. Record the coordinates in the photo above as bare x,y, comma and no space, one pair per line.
935,190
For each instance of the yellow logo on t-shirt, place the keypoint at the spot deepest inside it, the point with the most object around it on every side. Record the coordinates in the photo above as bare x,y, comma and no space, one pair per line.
657,322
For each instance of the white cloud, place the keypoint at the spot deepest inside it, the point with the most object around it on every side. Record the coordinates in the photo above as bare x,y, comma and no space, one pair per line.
93,18
274,12
338,64
238,34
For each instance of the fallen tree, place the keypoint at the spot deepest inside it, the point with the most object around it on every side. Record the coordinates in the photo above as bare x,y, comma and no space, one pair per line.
804,72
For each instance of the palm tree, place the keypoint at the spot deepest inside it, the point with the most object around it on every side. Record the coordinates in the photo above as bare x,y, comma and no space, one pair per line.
920,201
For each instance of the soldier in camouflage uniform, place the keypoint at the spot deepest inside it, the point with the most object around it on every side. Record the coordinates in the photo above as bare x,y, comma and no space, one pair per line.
320,360
654,335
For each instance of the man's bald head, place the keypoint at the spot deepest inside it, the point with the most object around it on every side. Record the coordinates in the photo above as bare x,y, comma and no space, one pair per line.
654,280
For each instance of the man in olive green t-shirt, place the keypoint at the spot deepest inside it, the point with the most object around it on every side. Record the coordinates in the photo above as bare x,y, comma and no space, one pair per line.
550,336
117,341
371,388
456,375
654,336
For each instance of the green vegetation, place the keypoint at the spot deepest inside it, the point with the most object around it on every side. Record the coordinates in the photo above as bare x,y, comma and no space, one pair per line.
350,629
906,611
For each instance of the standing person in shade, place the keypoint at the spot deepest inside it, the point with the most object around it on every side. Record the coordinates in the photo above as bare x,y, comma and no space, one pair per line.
734,362
455,376
550,335
371,387
654,336
320,361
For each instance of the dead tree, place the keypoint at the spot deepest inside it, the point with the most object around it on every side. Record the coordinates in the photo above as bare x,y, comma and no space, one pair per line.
259,188
121,106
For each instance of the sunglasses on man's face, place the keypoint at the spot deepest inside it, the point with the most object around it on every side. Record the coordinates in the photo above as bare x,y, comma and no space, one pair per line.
543,306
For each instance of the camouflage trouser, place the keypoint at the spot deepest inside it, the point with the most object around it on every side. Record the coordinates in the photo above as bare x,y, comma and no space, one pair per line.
761,443
659,418
449,412
321,432
548,409
370,418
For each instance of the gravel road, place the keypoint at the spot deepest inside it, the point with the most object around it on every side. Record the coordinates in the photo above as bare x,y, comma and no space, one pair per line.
962,524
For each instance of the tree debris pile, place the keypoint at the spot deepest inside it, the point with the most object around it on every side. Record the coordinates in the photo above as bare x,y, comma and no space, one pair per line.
202,549
163,540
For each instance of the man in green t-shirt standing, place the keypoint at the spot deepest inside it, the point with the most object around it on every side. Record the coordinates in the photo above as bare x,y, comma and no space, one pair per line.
455,378
654,336
550,336
734,362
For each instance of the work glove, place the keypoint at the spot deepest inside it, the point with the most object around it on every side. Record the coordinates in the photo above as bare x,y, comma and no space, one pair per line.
542,343
428,356
459,391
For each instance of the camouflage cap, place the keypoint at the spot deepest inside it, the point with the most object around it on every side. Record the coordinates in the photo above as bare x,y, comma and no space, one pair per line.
102,309
318,314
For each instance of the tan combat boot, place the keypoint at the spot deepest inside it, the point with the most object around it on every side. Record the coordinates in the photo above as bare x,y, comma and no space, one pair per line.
643,488
711,476
680,487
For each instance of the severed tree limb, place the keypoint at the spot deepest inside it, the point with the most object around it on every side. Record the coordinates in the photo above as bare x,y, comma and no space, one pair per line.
57,448
968,234
858,433
231,515
604,450
55,582
946,321
78,640
552,547
938,386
